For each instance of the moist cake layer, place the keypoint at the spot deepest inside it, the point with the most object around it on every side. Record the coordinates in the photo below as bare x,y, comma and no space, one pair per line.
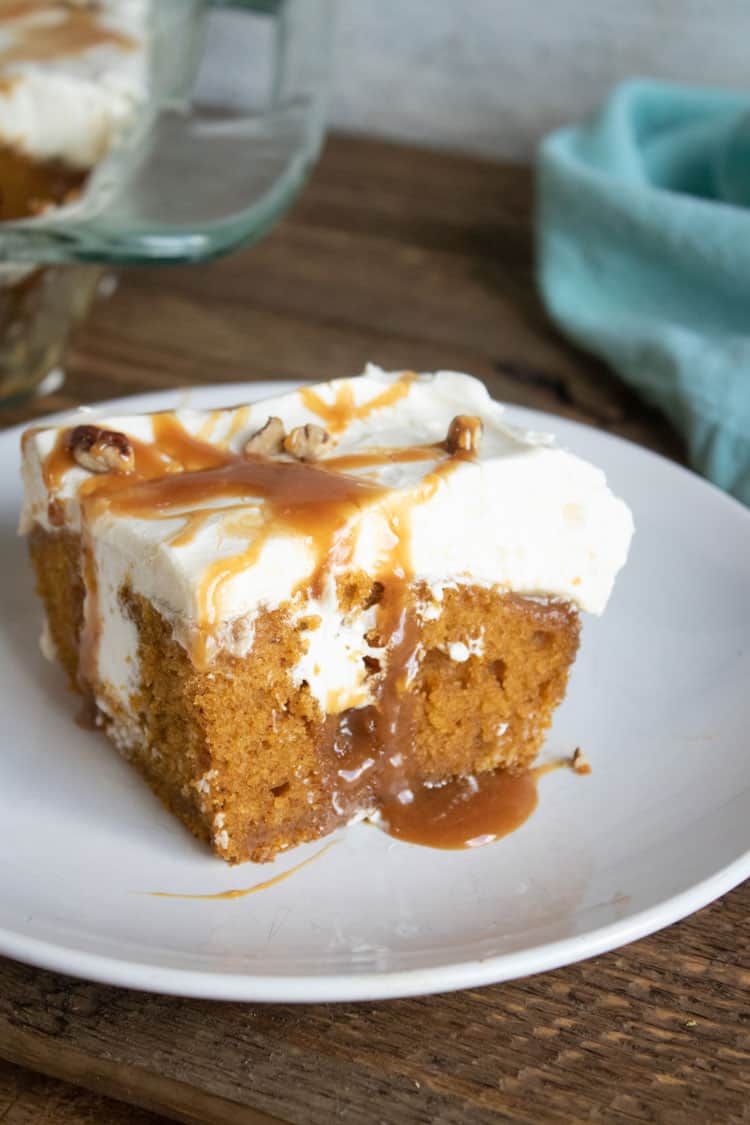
379,556
243,754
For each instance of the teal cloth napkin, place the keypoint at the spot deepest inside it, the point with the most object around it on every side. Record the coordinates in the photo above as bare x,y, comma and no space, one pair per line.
643,257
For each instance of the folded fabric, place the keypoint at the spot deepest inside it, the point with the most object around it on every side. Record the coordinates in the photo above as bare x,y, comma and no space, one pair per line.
643,255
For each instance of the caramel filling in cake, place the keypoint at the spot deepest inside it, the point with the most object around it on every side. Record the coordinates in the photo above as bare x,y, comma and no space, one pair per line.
456,693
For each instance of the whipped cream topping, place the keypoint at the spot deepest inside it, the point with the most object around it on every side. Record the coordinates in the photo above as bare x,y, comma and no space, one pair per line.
523,515
71,76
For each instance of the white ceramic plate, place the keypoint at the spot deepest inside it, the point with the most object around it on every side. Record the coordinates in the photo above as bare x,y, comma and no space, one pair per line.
659,700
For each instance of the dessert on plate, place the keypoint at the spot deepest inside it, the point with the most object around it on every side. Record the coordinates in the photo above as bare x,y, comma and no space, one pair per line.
322,607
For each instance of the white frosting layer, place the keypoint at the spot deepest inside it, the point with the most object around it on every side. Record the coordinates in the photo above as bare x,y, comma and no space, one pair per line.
73,107
526,516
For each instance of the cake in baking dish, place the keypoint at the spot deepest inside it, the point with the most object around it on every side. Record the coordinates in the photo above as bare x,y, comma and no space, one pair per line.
73,79
313,609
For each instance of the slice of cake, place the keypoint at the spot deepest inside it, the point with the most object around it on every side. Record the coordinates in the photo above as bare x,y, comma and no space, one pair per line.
324,606
73,75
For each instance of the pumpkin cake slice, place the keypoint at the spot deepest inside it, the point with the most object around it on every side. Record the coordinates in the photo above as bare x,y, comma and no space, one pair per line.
322,607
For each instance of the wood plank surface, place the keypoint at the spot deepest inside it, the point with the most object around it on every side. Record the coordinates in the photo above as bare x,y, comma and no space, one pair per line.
408,258
27,1098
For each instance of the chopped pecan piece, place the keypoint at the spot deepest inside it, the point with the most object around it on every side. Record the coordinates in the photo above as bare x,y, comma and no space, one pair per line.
464,434
269,439
101,451
308,442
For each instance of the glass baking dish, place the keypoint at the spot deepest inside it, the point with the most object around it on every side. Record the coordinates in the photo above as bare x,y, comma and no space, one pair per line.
230,126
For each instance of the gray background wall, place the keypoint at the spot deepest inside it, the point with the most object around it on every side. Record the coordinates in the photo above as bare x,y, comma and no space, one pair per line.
491,76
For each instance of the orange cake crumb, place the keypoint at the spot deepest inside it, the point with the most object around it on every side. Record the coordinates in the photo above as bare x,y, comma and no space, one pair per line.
247,760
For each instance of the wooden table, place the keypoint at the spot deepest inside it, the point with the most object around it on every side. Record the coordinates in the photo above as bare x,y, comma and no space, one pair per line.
423,260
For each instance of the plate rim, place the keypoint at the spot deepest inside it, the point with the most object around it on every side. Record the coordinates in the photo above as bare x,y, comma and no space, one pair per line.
364,986
354,985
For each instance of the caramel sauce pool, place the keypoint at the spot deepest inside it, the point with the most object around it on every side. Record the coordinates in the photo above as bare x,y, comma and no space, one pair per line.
468,812
465,812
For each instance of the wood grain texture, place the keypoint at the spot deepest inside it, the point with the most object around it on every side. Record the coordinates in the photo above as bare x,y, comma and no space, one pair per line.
27,1098
655,1032
410,259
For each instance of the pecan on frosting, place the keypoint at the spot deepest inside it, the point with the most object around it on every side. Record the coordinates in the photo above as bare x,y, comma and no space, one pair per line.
464,434
308,442
101,451
304,443
268,440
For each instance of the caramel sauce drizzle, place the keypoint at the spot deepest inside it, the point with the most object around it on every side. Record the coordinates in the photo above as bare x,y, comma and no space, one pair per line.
301,498
384,456
77,29
206,431
247,522
369,748
240,419
338,414
184,475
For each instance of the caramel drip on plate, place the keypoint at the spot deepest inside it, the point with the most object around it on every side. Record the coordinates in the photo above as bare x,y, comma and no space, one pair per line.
465,812
338,414
75,30
243,892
